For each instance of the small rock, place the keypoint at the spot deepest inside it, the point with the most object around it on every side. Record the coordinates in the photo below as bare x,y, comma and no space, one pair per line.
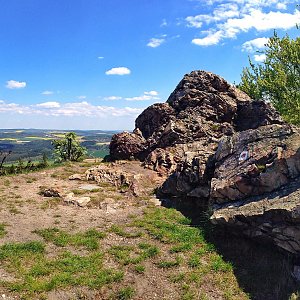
79,201
76,177
50,193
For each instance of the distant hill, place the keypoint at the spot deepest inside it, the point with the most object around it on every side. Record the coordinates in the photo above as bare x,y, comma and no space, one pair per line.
32,143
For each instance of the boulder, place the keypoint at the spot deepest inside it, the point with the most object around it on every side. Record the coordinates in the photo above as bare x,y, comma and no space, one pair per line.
127,145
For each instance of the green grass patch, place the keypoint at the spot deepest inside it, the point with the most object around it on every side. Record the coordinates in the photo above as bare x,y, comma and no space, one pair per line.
166,264
194,261
217,264
79,192
139,269
2,230
182,247
88,239
169,226
125,293
121,232
126,255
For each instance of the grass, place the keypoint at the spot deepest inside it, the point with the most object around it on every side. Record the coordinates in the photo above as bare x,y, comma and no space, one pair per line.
159,239
125,293
37,274
166,264
79,192
88,239
121,232
2,230
126,255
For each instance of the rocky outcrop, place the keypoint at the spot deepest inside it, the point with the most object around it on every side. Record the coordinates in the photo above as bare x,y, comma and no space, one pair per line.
272,217
254,162
226,151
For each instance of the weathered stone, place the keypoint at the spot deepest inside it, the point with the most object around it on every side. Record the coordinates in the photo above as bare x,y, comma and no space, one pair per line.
79,201
77,177
127,145
50,192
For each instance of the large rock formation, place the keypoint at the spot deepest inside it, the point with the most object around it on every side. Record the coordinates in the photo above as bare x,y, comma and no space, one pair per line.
218,147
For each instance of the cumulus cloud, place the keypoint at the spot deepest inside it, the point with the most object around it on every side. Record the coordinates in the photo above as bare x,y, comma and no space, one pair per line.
232,17
253,45
47,93
112,98
71,109
50,104
155,42
118,71
152,95
260,57
81,97
13,84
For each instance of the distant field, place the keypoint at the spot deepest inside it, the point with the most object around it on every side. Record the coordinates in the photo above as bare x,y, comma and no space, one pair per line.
31,144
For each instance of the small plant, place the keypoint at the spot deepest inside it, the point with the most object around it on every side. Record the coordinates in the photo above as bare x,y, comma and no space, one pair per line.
169,263
125,293
121,232
139,269
194,261
2,230
68,148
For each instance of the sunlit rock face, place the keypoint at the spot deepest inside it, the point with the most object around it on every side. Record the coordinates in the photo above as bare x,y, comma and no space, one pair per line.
226,151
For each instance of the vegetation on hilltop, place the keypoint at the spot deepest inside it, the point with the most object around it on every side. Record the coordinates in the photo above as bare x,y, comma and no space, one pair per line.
68,148
277,79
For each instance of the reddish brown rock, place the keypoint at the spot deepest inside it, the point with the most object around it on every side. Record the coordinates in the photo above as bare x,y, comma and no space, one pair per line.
127,145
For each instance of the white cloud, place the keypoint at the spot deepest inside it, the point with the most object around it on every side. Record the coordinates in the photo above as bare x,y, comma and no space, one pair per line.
72,109
211,39
164,23
112,98
46,93
50,104
260,57
229,18
13,84
118,71
282,6
253,45
100,57
154,42
152,95
81,97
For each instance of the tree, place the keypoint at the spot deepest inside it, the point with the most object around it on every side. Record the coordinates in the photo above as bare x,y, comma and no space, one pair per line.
68,148
277,79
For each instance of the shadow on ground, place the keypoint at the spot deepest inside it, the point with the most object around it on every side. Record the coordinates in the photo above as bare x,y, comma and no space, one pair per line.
261,270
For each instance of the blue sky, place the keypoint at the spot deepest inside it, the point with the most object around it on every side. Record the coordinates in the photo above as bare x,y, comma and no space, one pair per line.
96,64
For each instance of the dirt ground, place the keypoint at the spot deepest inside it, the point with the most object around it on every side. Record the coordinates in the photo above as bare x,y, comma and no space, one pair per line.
23,211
